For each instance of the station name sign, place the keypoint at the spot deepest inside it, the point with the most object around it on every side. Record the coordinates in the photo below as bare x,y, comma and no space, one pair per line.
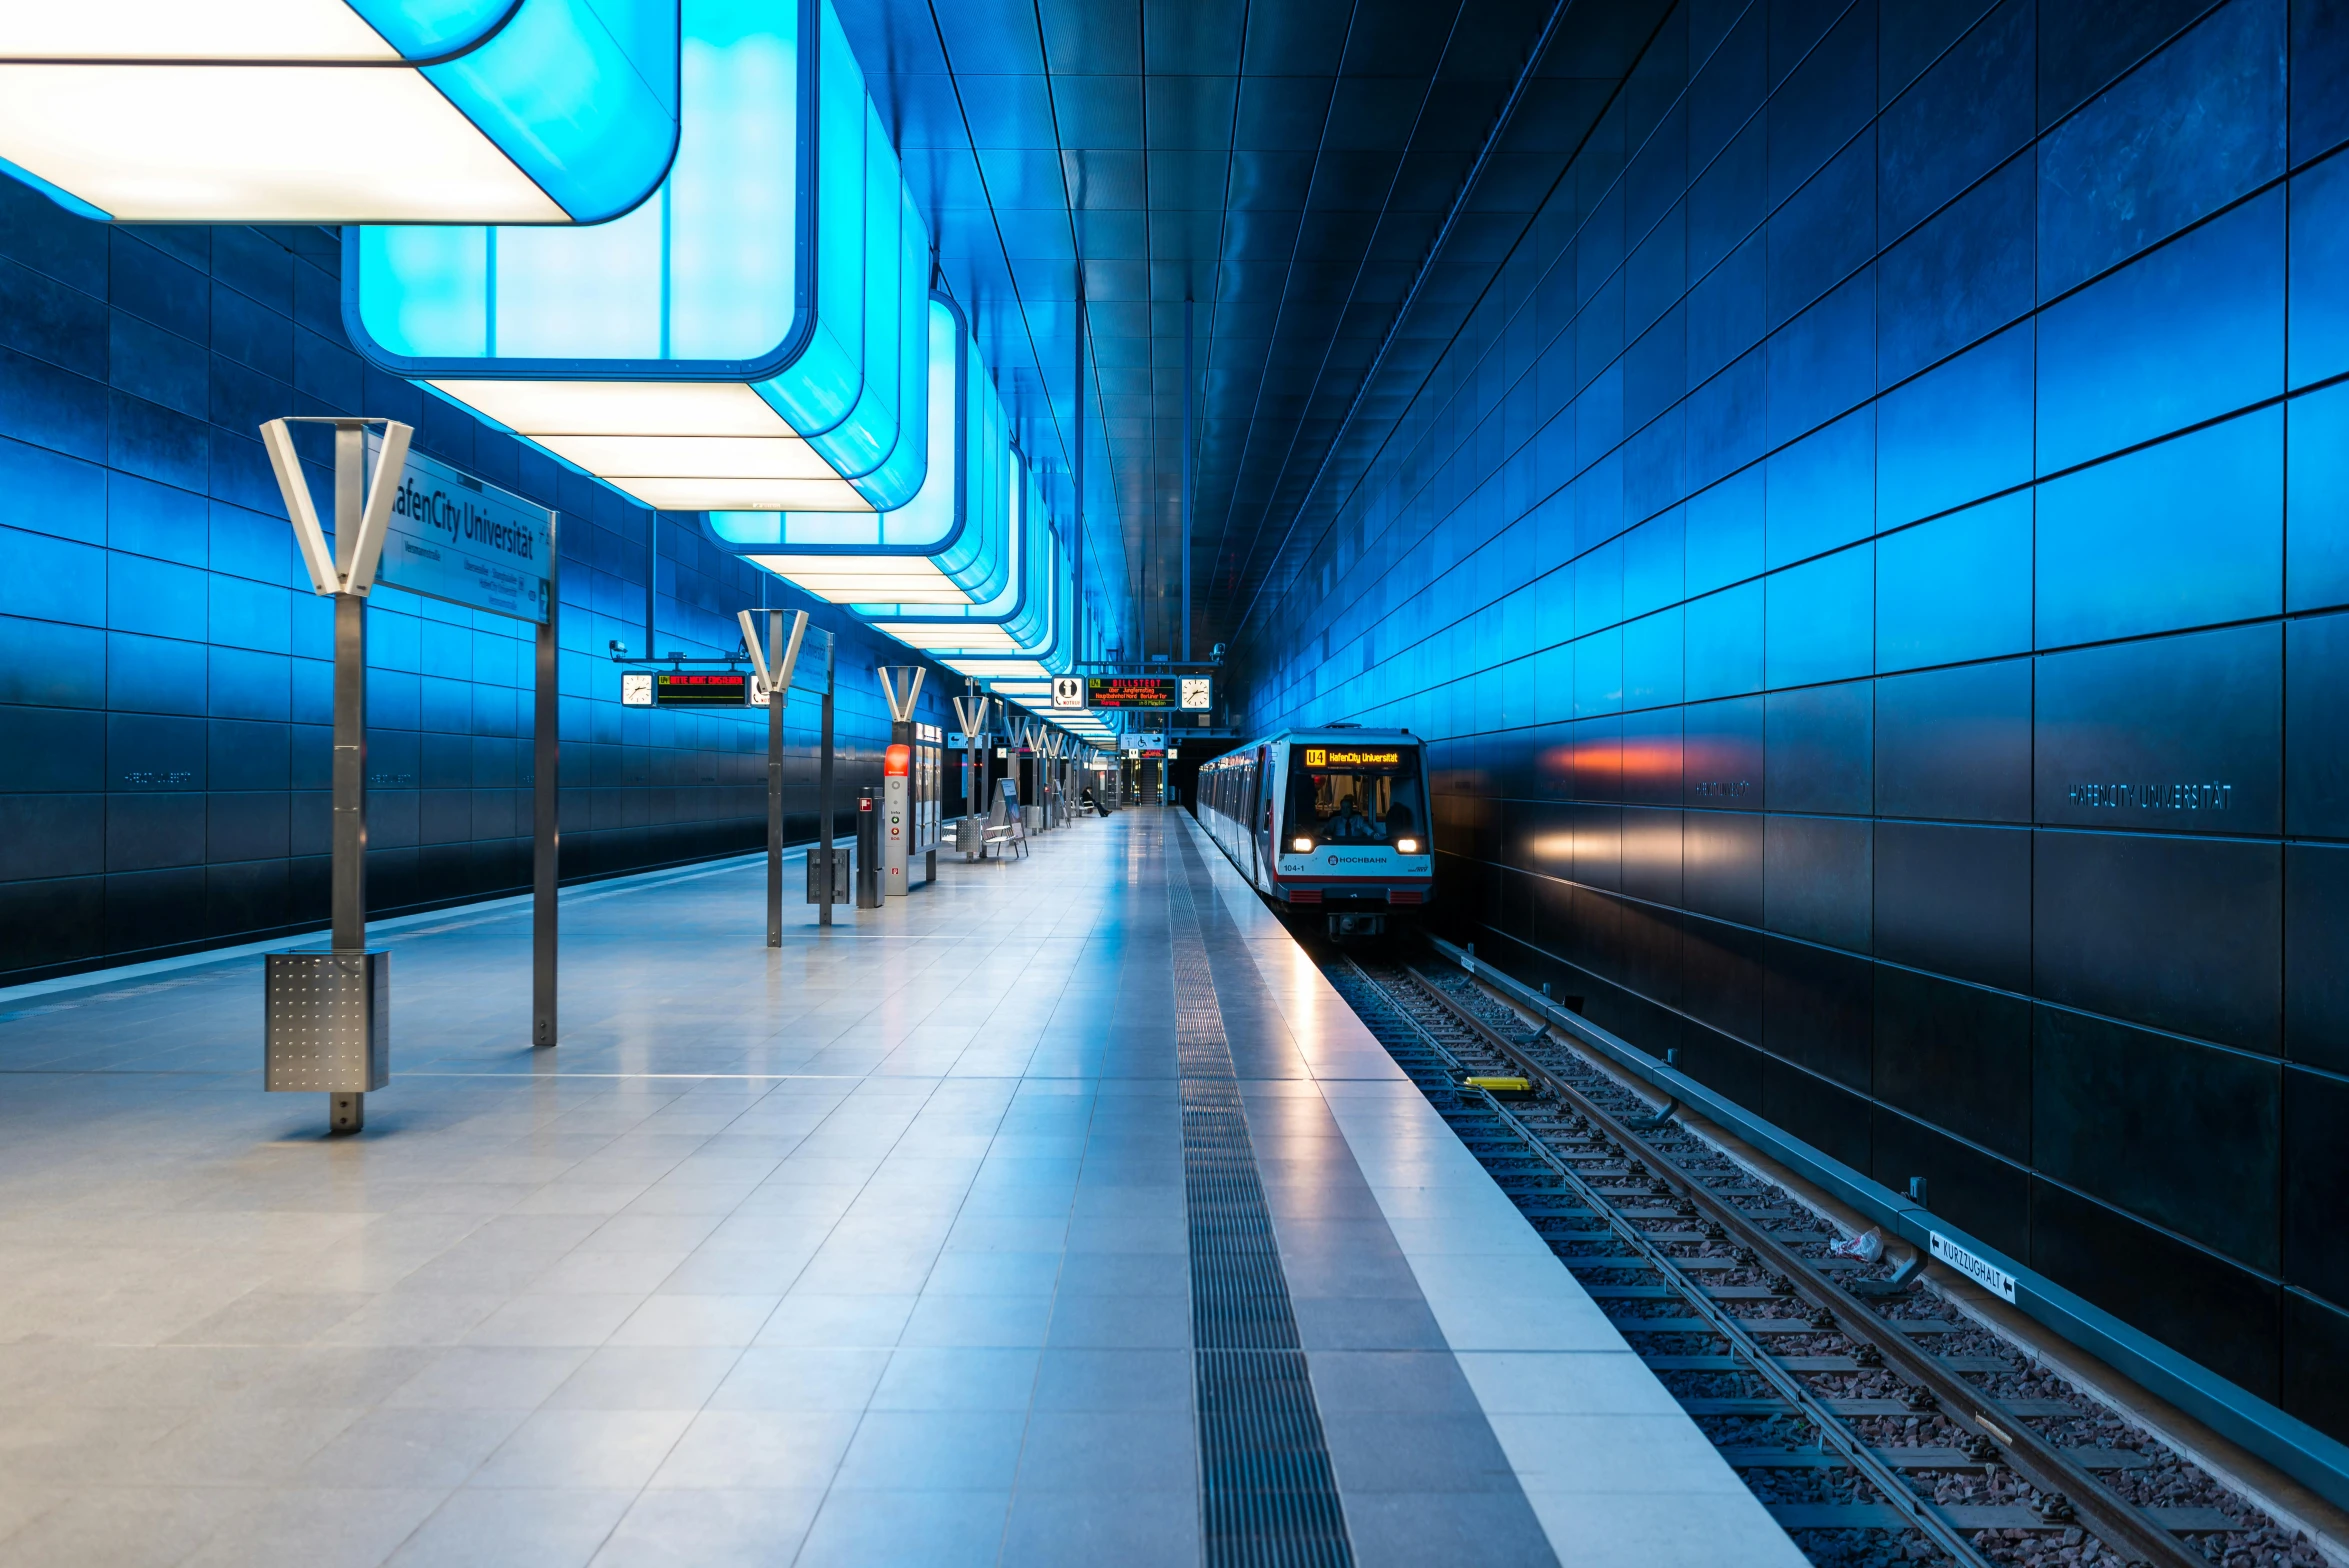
2154,796
1189,693
457,538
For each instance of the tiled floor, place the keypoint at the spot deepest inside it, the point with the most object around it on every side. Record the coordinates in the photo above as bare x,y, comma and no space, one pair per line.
1615,1472
870,1250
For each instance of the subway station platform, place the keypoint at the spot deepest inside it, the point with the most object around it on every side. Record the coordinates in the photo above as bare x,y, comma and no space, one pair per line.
923,1240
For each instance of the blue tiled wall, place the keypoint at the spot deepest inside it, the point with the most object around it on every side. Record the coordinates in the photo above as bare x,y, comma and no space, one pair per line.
1874,572
165,671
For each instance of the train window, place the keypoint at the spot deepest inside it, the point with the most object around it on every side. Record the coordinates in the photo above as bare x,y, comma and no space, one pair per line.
1354,795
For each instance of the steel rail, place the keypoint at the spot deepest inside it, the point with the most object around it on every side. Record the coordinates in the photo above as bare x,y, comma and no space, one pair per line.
2068,1485
1833,1432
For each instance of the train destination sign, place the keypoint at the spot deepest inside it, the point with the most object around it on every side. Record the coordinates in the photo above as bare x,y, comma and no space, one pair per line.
1350,757
454,537
1192,693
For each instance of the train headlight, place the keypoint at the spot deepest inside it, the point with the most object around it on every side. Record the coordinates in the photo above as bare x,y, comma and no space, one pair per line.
1301,845
1407,846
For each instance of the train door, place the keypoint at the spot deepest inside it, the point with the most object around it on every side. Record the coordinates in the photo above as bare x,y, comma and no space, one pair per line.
1260,818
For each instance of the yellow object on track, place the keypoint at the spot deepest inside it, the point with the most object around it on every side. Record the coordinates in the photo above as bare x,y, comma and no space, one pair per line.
1502,1085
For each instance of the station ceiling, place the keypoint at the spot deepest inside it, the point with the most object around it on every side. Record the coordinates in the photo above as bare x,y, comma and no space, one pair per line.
1333,183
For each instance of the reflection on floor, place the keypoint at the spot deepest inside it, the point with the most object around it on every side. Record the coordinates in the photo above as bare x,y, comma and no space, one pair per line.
869,1250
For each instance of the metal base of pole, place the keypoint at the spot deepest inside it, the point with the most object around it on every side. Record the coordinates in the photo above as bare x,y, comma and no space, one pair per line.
345,1113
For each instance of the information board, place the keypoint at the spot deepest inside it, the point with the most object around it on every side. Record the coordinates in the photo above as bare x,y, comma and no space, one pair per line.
700,689
1191,693
1129,691
457,538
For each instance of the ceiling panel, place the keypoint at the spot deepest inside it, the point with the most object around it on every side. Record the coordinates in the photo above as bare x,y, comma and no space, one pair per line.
1288,164
1098,111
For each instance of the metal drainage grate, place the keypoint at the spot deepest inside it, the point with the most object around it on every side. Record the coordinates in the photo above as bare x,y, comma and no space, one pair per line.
1269,1497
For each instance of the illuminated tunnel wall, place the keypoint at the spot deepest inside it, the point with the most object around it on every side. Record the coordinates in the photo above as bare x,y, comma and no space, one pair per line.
165,671
1873,574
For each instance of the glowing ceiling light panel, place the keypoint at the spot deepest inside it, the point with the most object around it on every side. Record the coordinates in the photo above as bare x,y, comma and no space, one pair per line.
341,111
949,546
751,338
1050,656
1004,477
1016,619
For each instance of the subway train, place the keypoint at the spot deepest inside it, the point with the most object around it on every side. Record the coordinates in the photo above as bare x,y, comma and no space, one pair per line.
1333,818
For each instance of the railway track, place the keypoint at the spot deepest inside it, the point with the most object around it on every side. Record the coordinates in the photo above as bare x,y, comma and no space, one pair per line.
1876,1426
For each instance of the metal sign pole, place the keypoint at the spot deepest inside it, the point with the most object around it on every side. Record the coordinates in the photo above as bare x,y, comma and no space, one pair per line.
973,714
349,877
776,677
1005,766
546,825
777,701
328,1014
970,711
824,785
346,1111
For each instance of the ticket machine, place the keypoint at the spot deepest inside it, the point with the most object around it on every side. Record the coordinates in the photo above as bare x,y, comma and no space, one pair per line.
896,816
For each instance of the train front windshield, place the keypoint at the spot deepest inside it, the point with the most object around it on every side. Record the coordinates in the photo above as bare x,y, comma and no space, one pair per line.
1355,795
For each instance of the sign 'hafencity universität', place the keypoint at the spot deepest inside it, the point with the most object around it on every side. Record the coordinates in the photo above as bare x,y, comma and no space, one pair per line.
452,536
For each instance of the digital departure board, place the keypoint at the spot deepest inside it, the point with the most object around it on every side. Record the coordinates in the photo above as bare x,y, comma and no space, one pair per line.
1194,693
1129,691
699,689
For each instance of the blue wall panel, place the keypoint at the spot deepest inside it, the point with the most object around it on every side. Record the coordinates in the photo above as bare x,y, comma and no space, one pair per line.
165,671
1906,679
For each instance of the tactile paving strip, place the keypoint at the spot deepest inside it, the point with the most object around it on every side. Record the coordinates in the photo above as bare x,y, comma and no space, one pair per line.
1269,1495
